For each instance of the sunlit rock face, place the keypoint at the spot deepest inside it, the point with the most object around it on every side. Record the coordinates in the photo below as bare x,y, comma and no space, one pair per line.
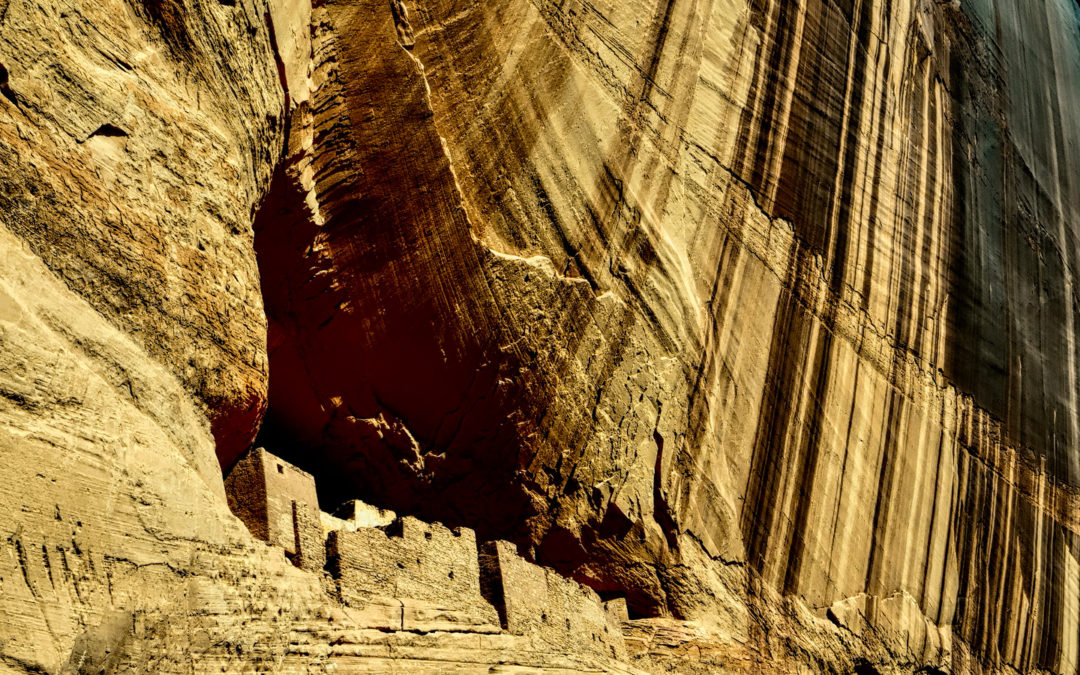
667,290
759,313
135,142
138,138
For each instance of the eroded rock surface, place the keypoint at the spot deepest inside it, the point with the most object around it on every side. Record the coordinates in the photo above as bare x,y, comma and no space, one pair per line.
685,287
754,315
137,140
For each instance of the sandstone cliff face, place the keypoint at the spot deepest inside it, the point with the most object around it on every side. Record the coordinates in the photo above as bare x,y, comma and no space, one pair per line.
136,140
758,313
683,286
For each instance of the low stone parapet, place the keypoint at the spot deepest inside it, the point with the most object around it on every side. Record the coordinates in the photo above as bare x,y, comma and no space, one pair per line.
556,613
434,569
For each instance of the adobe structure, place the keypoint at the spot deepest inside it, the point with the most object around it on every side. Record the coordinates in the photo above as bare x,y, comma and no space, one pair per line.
400,574
279,504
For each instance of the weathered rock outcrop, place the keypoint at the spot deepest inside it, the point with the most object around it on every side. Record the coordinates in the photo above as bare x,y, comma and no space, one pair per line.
757,313
692,285
138,137
682,286
136,140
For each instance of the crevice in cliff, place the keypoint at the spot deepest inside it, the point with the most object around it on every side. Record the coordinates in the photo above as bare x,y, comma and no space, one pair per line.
864,667
282,430
661,511
374,415
356,443
402,389
374,387
108,131
5,88
283,78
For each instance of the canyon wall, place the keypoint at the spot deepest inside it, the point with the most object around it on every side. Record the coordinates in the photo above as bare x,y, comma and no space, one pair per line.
757,313
136,140
686,286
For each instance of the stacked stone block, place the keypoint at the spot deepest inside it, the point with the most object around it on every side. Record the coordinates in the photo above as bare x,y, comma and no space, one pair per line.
555,612
434,569
279,504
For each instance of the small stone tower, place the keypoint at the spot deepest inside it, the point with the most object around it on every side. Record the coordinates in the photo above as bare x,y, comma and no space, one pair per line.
279,504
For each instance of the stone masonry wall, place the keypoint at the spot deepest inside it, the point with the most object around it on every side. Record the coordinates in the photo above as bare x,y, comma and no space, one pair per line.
279,504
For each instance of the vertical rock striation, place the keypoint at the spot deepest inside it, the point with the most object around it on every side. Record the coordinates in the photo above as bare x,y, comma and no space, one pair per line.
137,140
759,314
778,290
